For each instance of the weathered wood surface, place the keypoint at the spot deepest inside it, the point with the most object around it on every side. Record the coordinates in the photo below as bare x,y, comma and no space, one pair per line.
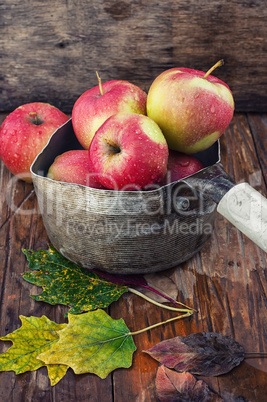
226,283
49,51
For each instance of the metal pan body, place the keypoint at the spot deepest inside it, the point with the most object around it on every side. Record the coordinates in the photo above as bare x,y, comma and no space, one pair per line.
126,232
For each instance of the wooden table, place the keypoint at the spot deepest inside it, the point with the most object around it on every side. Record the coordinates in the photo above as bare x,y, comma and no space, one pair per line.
226,283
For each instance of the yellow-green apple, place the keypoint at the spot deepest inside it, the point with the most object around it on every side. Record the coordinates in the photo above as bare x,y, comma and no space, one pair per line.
180,165
74,167
94,106
129,152
25,132
191,107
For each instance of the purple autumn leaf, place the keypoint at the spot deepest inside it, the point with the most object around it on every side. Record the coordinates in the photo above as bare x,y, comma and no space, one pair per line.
182,387
207,353
118,279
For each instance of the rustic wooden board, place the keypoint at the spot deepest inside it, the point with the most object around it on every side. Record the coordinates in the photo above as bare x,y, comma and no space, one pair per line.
21,227
258,127
49,51
226,283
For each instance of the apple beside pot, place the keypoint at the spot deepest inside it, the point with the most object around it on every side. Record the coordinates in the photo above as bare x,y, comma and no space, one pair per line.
25,132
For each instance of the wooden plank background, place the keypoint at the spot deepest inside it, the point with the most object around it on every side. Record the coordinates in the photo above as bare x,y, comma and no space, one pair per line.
49,51
226,283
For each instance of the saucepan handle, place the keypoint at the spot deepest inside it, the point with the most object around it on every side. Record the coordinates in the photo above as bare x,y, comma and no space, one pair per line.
246,209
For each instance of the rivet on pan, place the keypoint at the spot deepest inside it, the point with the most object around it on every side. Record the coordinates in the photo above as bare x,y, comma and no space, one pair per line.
182,203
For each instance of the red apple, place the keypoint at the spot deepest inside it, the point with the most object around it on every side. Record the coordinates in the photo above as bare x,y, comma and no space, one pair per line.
25,132
192,108
74,167
181,165
94,106
129,150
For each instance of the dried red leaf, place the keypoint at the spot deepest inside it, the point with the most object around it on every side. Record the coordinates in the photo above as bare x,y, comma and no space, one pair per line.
134,280
137,280
182,387
207,353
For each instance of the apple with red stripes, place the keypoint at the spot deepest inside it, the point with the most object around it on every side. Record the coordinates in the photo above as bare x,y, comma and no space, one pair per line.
181,165
25,132
97,104
129,152
192,108
74,167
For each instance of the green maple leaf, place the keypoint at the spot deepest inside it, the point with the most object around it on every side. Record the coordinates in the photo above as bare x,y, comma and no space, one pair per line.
35,335
92,343
65,282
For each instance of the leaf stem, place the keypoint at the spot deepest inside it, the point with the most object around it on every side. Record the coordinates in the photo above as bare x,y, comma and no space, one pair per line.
261,354
160,294
174,302
218,64
100,84
159,304
188,314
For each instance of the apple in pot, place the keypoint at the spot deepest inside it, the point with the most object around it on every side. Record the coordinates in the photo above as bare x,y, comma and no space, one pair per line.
97,104
129,152
191,107
25,132
180,165
74,167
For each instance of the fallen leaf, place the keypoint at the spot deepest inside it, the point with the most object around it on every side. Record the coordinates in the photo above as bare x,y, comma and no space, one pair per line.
92,343
137,280
66,283
206,354
35,334
182,387
56,372
161,283
147,282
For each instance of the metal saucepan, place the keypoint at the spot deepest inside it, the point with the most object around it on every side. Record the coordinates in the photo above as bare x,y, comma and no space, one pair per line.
133,232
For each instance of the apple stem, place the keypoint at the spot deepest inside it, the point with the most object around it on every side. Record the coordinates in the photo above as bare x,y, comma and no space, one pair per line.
100,84
218,64
34,115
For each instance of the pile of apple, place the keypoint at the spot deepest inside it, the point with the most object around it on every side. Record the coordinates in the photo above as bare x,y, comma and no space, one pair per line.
131,140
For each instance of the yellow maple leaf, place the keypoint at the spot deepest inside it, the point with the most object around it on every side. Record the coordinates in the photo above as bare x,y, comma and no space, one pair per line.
36,335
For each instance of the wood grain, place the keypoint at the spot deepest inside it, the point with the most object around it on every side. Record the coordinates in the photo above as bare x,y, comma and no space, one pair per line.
50,51
258,126
226,283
